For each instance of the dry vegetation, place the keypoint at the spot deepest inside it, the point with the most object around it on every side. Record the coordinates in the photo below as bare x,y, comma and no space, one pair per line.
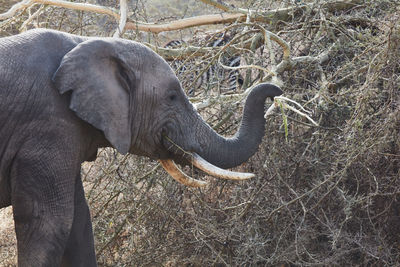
325,194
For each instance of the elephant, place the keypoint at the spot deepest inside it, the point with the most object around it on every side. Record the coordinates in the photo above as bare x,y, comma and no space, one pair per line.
64,96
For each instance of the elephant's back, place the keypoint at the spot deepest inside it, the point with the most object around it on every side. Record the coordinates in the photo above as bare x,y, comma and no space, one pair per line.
35,53
27,64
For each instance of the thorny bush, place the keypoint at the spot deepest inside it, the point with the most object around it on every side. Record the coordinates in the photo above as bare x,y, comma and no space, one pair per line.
323,195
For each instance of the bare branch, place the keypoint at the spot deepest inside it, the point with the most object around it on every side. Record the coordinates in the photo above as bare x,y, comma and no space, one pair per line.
14,9
31,17
122,20
219,4
187,22
269,16
60,3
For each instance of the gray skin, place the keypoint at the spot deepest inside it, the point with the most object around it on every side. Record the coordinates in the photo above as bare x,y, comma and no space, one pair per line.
61,98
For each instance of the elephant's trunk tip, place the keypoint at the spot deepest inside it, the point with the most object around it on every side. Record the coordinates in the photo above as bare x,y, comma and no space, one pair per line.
271,90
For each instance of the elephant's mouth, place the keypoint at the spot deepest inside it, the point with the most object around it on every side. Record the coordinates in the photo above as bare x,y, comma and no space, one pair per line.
192,158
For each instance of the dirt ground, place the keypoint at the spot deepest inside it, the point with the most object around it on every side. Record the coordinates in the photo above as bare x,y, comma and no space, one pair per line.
8,242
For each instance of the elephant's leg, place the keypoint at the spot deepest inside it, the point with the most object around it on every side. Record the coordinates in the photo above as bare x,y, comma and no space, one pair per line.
42,186
80,246
41,233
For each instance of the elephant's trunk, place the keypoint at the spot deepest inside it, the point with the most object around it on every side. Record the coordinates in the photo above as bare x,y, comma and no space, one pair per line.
216,152
230,152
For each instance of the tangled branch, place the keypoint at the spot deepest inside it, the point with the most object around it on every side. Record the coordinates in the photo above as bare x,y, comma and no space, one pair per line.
270,16
326,191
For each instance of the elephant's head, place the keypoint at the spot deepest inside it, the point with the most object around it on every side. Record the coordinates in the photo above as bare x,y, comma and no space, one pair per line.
131,94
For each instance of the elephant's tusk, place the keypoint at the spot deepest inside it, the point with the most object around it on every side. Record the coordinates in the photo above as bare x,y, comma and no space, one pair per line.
179,176
213,170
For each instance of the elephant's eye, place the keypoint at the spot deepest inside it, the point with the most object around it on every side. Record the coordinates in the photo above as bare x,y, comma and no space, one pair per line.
172,97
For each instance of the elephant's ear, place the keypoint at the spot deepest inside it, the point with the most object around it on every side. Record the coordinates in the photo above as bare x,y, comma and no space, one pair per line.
100,82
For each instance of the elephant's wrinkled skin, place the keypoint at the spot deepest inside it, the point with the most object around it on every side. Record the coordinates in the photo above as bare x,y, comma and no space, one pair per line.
61,98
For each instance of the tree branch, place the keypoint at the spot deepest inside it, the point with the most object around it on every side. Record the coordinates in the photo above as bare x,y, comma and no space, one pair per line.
269,16
14,9
186,23
220,5
122,20
60,3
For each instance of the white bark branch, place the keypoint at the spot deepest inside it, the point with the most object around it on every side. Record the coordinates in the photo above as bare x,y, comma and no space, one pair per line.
14,9
123,7
60,3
